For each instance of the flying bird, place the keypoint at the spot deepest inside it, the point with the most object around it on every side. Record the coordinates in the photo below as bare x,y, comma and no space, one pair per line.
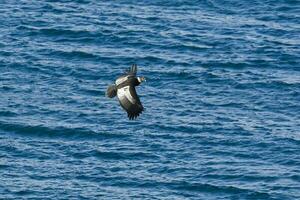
124,89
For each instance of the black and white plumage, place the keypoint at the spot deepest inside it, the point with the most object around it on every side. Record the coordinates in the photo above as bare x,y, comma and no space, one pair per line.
124,89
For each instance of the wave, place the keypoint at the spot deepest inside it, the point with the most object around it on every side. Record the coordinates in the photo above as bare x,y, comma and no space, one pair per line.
74,54
58,31
116,155
7,113
174,75
273,84
70,1
92,92
57,132
199,187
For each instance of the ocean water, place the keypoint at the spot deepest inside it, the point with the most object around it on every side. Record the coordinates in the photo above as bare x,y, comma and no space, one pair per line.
222,99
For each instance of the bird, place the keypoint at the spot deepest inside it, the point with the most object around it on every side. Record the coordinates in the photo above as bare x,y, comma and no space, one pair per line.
124,89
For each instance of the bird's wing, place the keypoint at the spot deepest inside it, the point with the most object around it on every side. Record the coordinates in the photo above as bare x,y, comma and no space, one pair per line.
132,70
130,101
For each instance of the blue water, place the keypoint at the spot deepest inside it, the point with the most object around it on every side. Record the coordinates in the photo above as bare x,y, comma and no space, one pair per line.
222,99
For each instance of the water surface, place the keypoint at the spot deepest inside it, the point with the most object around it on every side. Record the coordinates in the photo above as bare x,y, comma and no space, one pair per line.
221,98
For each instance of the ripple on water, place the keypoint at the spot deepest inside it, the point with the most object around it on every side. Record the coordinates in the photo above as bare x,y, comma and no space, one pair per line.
221,99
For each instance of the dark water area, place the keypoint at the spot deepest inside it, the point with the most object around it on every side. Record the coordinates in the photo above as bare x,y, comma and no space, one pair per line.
222,100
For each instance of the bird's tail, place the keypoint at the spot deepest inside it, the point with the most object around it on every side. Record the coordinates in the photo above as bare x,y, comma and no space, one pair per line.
111,91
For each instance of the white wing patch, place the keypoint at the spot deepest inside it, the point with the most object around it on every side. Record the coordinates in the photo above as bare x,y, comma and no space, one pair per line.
124,93
121,80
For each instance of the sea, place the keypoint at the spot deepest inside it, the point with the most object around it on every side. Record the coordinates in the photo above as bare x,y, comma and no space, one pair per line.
222,99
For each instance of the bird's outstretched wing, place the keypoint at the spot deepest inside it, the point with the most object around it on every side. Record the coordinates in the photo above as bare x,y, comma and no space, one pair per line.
132,70
130,101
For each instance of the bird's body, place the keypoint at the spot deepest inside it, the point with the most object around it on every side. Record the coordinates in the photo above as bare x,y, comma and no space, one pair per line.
124,89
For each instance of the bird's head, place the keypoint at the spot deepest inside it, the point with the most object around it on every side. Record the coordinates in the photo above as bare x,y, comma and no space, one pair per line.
141,79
